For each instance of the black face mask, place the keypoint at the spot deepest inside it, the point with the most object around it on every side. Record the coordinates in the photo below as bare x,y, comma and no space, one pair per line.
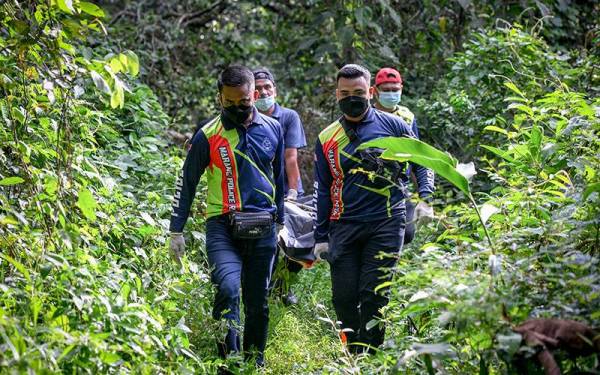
354,106
237,113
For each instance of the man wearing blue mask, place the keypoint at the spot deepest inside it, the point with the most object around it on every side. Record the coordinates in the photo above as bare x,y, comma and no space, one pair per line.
294,139
388,93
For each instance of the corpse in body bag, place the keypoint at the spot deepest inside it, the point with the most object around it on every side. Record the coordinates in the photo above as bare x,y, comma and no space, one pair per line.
296,238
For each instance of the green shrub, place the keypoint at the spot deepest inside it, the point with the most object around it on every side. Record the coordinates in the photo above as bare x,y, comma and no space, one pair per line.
85,182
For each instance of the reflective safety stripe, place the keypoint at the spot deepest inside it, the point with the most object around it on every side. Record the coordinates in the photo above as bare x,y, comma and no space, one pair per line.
333,140
272,197
351,157
222,173
385,191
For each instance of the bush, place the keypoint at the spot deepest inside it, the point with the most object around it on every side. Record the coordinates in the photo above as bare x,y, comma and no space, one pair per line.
459,295
85,184
469,98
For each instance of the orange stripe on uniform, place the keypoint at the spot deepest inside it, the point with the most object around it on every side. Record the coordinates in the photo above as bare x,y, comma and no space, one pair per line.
226,163
332,154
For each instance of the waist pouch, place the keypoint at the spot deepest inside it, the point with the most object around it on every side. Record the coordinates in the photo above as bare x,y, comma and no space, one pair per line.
251,225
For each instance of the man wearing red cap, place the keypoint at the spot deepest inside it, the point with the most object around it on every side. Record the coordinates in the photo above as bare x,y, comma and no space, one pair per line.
387,93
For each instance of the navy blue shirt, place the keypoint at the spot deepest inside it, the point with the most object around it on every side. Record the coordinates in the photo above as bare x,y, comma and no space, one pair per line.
244,169
293,134
344,195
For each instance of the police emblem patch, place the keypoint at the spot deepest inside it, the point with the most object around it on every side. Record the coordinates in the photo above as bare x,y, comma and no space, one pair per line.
267,144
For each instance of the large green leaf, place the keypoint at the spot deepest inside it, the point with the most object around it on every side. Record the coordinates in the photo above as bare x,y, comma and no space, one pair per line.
415,151
117,99
410,146
514,88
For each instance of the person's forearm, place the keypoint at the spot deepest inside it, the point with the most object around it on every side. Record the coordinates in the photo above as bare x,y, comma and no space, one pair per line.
291,168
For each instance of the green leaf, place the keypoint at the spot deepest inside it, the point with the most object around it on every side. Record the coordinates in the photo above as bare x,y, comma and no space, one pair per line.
133,63
87,204
51,185
503,154
66,6
18,265
521,107
413,150
411,146
123,59
114,99
372,323
66,46
19,114
100,82
115,65
495,129
535,141
514,88
117,99
91,9
66,352
8,181
385,284
35,305
125,290
110,358
8,220
515,98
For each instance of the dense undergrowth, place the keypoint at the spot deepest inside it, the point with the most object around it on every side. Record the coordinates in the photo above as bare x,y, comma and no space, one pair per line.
86,179
86,285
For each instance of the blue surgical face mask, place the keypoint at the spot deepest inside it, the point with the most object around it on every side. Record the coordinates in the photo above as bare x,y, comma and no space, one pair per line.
263,104
389,99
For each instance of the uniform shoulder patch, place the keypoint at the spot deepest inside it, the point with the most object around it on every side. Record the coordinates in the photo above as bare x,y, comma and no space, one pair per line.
329,130
212,127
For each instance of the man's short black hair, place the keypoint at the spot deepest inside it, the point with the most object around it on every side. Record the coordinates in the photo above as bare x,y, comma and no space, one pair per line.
235,76
353,71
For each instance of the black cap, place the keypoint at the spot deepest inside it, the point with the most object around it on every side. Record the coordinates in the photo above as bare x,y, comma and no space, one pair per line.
263,73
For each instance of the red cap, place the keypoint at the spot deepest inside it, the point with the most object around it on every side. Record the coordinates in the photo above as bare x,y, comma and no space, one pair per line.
385,75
